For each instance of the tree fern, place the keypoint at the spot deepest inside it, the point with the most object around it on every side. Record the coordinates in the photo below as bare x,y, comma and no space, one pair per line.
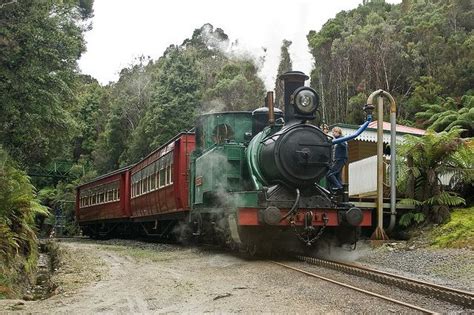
449,114
423,160
445,199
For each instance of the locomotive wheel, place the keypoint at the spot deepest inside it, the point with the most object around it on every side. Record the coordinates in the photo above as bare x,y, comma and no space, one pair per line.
233,246
252,250
196,224
348,235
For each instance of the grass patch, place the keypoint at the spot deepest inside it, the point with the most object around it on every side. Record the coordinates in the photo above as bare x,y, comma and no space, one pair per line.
4,286
458,232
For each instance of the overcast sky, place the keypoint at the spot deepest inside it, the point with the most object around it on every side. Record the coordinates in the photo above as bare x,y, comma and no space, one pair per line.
123,30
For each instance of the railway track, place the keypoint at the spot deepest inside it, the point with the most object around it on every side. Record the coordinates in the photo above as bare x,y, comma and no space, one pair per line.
454,296
386,298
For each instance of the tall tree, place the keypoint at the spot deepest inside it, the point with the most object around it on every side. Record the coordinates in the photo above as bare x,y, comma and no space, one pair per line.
89,114
175,99
151,103
40,43
379,45
284,66
128,100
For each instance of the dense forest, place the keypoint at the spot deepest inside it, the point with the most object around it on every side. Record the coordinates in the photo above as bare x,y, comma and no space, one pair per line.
420,51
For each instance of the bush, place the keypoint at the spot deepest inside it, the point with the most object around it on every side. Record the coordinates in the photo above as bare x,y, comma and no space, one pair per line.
18,208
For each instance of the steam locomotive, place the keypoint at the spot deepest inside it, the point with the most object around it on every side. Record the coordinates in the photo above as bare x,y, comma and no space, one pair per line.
247,180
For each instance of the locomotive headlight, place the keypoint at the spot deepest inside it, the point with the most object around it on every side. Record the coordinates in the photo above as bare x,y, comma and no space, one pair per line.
306,100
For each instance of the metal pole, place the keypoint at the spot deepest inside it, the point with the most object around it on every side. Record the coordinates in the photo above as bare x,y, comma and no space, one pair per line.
270,105
380,161
393,160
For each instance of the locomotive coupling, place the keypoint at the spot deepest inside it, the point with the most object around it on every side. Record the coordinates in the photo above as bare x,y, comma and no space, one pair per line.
353,216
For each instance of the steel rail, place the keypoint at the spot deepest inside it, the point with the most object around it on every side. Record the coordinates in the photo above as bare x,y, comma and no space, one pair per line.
386,298
455,296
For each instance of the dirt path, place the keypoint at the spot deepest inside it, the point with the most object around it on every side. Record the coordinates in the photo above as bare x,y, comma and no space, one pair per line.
124,277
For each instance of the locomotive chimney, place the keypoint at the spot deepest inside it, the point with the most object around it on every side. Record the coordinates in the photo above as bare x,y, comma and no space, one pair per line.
291,81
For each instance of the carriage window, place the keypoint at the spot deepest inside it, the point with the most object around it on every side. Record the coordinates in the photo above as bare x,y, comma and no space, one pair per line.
171,174
168,175
111,195
118,194
153,181
162,177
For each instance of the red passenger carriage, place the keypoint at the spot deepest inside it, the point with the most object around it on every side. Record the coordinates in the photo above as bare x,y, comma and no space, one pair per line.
153,190
159,185
104,203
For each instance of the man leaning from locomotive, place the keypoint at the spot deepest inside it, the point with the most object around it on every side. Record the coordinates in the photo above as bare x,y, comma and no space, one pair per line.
338,162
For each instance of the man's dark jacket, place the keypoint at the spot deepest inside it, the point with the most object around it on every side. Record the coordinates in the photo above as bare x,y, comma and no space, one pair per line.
340,152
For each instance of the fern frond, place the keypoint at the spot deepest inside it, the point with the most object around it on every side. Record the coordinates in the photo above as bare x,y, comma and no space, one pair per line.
410,202
445,199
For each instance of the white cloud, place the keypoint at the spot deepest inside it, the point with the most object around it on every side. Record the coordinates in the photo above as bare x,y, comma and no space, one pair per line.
123,30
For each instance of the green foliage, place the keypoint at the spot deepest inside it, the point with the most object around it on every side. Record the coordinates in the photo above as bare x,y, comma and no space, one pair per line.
426,91
355,114
155,100
89,114
425,159
448,114
458,232
284,66
174,105
419,51
411,217
125,102
237,88
18,208
40,42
